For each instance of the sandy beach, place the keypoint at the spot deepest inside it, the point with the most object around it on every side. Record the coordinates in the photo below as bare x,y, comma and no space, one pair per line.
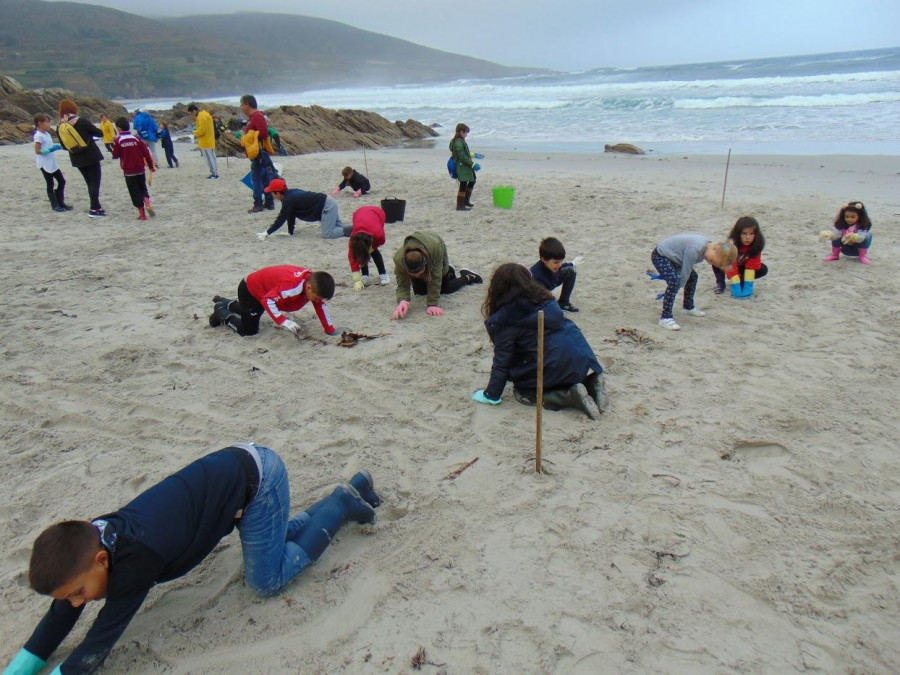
737,508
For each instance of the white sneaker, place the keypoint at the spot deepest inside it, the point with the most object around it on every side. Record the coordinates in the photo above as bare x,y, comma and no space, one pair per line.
385,279
694,312
366,280
669,324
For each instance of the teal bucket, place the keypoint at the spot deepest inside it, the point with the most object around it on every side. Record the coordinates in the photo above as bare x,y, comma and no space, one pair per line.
503,196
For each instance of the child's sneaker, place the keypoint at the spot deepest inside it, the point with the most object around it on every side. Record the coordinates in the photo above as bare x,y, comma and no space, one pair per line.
669,324
96,213
366,280
568,307
470,276
385,279
720,288
693,311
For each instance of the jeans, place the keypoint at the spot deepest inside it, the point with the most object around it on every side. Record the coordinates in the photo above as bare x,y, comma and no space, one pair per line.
271,560
672,276
332,227
256,176
209,154
92,175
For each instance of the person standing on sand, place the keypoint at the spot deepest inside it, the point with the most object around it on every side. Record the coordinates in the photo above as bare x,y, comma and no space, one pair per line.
83,151
165,532
109,131
465,168
257,121
206,138
148,131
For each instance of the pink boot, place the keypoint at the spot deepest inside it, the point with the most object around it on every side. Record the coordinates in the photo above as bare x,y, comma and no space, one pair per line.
862,256
835,254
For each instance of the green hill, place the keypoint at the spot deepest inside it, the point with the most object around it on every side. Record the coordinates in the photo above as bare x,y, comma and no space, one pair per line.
100,51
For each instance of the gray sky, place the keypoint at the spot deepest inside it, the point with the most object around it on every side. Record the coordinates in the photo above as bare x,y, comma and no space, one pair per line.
583,34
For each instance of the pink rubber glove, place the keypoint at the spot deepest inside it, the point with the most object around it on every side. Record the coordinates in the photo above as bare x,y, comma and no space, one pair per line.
358,193
402,309
434,310
335,192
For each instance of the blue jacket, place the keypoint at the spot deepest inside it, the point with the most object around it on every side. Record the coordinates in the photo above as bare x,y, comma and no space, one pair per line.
160,535
513,329
542,274
145,126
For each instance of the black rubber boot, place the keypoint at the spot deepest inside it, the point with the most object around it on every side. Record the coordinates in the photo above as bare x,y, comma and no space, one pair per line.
596,388
60,198
468,201
575,396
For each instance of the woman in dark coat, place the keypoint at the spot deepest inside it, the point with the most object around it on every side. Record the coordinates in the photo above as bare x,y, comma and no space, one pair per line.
86,159
573,378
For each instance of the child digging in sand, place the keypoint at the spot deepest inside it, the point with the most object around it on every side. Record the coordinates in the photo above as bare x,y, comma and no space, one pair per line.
165,532
366,237
276,290
674,258
552,270
133,154
357,182
749,241
573,378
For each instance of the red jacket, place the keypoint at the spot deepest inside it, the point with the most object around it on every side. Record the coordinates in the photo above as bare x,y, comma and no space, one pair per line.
367,220
132,153
280,289
754,263
258,121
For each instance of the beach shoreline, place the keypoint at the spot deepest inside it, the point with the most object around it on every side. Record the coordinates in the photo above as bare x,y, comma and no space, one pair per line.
736,508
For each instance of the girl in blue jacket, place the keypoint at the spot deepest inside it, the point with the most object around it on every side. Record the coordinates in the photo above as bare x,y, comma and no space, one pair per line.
573,378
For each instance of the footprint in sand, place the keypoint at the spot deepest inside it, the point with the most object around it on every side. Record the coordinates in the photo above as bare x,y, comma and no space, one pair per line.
764,458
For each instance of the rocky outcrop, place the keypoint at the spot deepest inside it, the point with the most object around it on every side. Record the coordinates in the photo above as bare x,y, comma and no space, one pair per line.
624,148
18,106
308,129
302,129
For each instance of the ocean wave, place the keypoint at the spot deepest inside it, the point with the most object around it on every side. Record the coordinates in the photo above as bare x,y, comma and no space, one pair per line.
796,101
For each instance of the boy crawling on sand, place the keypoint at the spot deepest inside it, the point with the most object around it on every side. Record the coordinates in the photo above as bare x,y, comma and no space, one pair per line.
167,531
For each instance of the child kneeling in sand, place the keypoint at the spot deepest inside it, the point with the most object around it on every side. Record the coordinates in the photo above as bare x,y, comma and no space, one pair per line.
168,530
366,237
357,182
748,239
276,290
851,235
674,258
422,265
573,378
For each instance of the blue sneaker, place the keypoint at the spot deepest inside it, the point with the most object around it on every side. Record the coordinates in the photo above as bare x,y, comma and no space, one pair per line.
364,484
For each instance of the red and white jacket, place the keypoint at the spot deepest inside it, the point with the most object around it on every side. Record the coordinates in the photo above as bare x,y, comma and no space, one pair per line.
132,153
280,289
754,263
367,220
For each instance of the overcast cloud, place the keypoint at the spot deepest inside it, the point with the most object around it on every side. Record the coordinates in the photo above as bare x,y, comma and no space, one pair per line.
583,34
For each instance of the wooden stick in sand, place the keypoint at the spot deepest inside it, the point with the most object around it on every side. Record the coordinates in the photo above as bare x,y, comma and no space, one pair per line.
727,163
540,393
365,161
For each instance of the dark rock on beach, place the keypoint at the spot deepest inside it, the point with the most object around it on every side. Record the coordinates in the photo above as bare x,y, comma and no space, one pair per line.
624,148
